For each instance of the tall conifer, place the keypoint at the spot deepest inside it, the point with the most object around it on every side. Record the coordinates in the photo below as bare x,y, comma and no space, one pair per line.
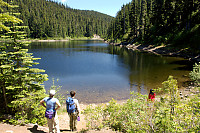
21,83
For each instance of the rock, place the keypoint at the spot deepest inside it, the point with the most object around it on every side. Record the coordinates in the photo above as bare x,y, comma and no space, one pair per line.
7,116
9,131
31,125
187,89
181,95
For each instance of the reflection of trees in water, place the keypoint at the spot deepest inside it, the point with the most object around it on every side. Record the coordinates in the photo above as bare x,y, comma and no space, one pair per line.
147,70
71,46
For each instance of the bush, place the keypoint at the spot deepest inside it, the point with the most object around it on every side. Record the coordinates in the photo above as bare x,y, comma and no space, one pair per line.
167,114
195,74
28,110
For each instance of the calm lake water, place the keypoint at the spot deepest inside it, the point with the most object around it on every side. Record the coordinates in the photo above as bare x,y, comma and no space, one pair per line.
99,72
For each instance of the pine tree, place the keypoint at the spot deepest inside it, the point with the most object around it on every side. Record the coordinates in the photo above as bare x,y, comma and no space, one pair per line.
6,17
21,83
132,19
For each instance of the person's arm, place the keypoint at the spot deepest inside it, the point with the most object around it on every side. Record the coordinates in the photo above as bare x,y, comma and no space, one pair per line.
42,103
78,107
58,105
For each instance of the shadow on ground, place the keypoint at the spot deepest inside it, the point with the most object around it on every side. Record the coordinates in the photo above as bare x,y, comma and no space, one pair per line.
35,130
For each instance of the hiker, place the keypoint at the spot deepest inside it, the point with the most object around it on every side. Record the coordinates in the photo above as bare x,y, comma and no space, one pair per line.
51,111
73,110
151,96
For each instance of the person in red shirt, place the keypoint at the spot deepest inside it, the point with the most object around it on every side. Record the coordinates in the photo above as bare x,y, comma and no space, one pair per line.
151,96
151,99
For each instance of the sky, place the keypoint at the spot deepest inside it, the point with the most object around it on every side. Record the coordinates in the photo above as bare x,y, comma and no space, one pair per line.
109,7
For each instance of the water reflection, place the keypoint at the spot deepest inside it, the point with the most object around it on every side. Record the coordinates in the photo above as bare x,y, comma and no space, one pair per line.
100,72
151,70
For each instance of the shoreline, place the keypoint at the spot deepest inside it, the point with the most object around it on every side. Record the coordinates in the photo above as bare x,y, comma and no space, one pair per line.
65,40
162,50
107,102
57,40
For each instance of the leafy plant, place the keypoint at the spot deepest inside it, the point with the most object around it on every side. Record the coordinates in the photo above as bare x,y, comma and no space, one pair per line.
57,88
94,116
29,110
195,74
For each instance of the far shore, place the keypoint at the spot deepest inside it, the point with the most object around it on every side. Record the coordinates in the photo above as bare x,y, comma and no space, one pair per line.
57,40
65,40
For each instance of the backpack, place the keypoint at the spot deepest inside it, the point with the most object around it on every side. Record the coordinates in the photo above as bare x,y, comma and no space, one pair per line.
71,107
49,114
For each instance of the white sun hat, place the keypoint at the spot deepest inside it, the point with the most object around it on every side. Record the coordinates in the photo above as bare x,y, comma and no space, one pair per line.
52,92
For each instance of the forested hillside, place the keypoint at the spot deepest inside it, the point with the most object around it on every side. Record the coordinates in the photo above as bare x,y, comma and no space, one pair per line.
155,22
50,19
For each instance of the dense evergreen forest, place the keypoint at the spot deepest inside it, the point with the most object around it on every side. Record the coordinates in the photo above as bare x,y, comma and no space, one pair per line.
155,22
46,18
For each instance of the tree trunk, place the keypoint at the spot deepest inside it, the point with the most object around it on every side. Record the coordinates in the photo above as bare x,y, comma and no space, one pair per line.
5,98
4,90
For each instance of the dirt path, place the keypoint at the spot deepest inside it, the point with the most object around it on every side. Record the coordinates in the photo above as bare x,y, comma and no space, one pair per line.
64,121
63,124
31,128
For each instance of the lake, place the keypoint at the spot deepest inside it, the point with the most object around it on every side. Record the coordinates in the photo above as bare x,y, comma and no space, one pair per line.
99,72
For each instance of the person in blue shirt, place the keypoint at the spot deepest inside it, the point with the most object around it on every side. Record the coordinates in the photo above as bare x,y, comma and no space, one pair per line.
51,111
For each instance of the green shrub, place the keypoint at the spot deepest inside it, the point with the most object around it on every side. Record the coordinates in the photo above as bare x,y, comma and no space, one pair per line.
167,114
29,110
94,116
195,74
